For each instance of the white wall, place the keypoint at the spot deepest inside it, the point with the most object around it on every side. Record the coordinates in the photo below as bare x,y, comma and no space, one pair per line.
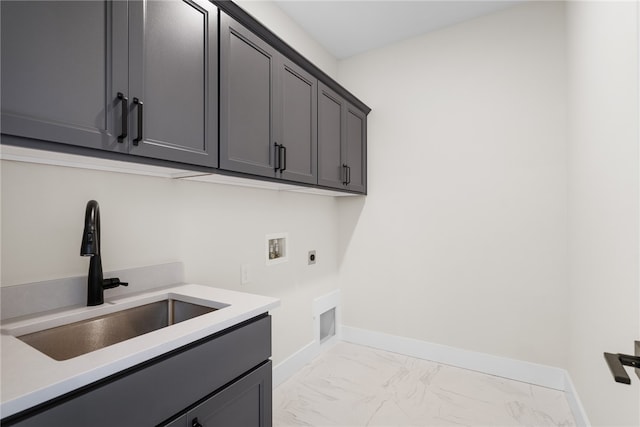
603,203
213,229
462,239
473,235
43,218
225,227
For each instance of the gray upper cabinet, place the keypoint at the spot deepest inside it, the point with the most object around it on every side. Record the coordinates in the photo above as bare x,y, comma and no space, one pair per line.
297,130
342,133
173,80
137,76
355,151
63,64
196,82
331,126
247,104
268,109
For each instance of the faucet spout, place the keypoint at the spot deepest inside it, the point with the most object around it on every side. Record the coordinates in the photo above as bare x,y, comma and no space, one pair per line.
91,235
96,283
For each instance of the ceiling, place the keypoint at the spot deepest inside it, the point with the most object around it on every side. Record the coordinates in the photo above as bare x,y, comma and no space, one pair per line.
347,27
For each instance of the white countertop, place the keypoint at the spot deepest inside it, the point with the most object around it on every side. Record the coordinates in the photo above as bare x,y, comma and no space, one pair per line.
29,377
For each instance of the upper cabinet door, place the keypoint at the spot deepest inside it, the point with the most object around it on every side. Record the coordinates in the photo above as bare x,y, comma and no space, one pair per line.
63,64
173,58
248,66
342,136
331,128
355,155
298,127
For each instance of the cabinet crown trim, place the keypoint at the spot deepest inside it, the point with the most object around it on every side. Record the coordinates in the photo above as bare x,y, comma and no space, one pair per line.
240,15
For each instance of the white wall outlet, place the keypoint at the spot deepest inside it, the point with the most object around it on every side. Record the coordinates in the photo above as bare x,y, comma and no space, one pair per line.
246,274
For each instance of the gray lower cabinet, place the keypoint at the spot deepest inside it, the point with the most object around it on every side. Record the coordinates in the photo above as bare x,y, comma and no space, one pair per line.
222,380
245,403
268,108
132,76
342,149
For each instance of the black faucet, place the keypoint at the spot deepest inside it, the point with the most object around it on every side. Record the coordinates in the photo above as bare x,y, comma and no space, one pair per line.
96,284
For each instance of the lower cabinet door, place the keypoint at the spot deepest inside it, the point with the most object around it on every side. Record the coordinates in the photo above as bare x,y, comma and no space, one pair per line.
178,422
245,403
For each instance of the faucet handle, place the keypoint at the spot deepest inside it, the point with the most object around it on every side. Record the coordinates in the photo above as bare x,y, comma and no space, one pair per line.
113,283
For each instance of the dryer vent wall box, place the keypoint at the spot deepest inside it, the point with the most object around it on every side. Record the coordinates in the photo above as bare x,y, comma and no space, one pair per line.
327,325
277,248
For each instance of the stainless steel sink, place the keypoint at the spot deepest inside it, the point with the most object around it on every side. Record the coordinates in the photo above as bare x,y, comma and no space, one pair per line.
68,341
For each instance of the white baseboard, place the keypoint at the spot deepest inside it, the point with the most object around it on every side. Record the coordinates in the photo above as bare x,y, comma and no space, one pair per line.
292,364
575,404
518,370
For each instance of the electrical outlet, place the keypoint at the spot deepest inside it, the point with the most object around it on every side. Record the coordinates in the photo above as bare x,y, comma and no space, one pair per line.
311,258
246,274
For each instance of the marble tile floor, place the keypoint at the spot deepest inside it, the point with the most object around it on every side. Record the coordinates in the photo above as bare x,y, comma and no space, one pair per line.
352,385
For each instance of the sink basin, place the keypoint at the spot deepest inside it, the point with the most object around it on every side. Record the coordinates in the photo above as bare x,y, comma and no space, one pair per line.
72,340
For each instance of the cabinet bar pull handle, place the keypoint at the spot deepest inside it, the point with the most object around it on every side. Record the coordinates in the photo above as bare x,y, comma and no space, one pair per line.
618,361
195,423
283,161
125,117
140,118
344,174
276,156
348,175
